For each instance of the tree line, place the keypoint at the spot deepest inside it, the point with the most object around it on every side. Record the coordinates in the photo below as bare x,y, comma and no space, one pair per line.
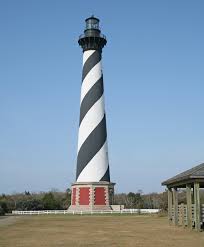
35,201
54,200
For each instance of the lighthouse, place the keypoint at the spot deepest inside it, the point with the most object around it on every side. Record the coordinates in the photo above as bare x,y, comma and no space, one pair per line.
92,189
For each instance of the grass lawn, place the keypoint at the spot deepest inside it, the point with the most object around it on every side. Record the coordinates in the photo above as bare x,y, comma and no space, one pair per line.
92,230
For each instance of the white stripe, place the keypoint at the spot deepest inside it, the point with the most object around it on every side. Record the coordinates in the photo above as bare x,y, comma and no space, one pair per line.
87,54
96,168
92,118
91,78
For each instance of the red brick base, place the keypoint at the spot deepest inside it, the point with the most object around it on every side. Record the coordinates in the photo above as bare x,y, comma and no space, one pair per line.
92,196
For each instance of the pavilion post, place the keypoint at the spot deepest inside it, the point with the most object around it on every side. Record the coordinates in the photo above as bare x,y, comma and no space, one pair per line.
170,199
189,205
197,217
175,204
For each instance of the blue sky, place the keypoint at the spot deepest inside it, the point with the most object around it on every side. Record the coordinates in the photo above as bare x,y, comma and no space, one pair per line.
154,84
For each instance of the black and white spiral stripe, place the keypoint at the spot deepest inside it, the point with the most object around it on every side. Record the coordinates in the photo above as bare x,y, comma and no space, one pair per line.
92,158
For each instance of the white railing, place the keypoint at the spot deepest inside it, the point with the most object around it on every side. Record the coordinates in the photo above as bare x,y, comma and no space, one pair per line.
182,213
124,211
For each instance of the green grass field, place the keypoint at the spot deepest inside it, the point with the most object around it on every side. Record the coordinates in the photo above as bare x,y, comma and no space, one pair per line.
92,230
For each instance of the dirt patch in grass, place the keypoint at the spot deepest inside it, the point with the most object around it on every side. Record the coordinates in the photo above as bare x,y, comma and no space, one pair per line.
60,230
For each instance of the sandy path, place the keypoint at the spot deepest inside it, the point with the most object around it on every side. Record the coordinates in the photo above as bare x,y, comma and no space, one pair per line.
8,220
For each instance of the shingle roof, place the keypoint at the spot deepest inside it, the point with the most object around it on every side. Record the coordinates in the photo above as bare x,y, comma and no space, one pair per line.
195,172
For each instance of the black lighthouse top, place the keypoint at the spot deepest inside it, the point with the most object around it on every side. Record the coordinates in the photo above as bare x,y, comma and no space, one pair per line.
92,39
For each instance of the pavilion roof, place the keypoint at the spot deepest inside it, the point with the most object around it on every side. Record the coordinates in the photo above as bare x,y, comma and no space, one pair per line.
196,172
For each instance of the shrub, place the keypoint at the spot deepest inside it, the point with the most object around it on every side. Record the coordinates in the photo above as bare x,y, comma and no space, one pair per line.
50,202
3,208
1,211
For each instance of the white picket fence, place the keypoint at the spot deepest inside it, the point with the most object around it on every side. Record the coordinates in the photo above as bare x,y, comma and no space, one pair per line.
124,211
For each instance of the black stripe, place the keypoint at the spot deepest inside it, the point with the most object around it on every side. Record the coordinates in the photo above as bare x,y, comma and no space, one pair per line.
91,146
106,176
93,95
90,63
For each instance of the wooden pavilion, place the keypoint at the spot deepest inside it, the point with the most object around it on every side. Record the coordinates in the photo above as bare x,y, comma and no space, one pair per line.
191,214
